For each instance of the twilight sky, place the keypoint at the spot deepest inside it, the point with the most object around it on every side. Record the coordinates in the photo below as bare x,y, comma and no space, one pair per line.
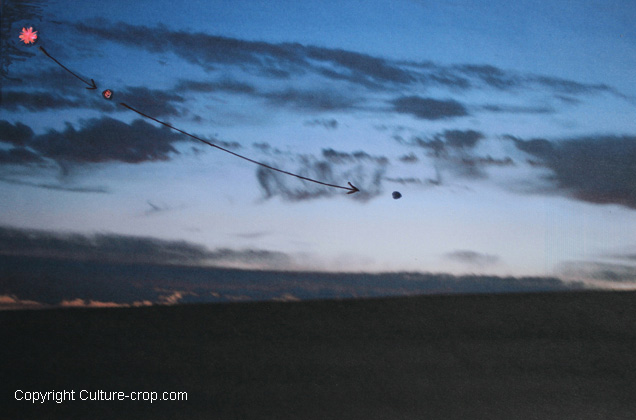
509,129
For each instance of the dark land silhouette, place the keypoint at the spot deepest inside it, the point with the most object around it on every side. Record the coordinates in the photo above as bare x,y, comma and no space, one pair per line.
565,355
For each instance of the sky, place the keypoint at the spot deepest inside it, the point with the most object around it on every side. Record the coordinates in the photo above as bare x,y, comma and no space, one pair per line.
507,127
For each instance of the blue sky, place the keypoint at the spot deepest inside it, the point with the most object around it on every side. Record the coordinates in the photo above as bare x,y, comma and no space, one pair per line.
508,127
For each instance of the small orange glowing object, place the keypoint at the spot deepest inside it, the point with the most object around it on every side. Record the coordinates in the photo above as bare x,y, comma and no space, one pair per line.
107,94
28,36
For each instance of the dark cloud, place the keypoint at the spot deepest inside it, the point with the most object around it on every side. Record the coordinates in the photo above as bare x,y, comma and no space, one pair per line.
107,140
251,256
538,147
253,235
490,75
568,99
216,86
569,86
323,122
125,249
30,282
457,140
36,101
627,257
456,151
19,156
429,108
50,77
360,68
265,147
56,187
488,161
344,157
316,100
96,140
447,77
472,258
410,158
154,102
599,271
462,139
404,181
284,60
512,109
337,168
59,90
154,208
594,169
17,134
274,60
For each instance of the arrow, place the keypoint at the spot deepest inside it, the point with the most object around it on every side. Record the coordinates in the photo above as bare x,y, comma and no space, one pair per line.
91,85
350,189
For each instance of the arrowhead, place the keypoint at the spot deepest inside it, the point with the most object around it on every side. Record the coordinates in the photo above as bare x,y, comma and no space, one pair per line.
353,189
94,85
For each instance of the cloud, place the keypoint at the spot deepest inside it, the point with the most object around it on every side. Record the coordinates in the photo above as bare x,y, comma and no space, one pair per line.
129,249
600,274
569,86
323,122
273,60
13,302
51,77
410,158
248,257
17,134
57,187
405,181
90,303
360,68
626,257
593,169
282,61
461,139
343,157
19,156
173,297
253,235
56,282
337,168
488,161
490,75
514,109
448,143
36,101
197,48
456,151
315,100
107,140
472,258
224,85
155,102
157,208
429,108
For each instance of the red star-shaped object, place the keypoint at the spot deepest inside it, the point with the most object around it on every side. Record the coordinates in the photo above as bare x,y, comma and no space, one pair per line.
28,36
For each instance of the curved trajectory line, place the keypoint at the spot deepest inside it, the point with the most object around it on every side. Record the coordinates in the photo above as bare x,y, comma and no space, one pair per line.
350,189
91,85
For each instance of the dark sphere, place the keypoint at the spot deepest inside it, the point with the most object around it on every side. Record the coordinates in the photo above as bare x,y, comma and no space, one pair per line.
396,195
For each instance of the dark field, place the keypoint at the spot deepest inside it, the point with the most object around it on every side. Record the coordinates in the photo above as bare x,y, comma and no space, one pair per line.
526,356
